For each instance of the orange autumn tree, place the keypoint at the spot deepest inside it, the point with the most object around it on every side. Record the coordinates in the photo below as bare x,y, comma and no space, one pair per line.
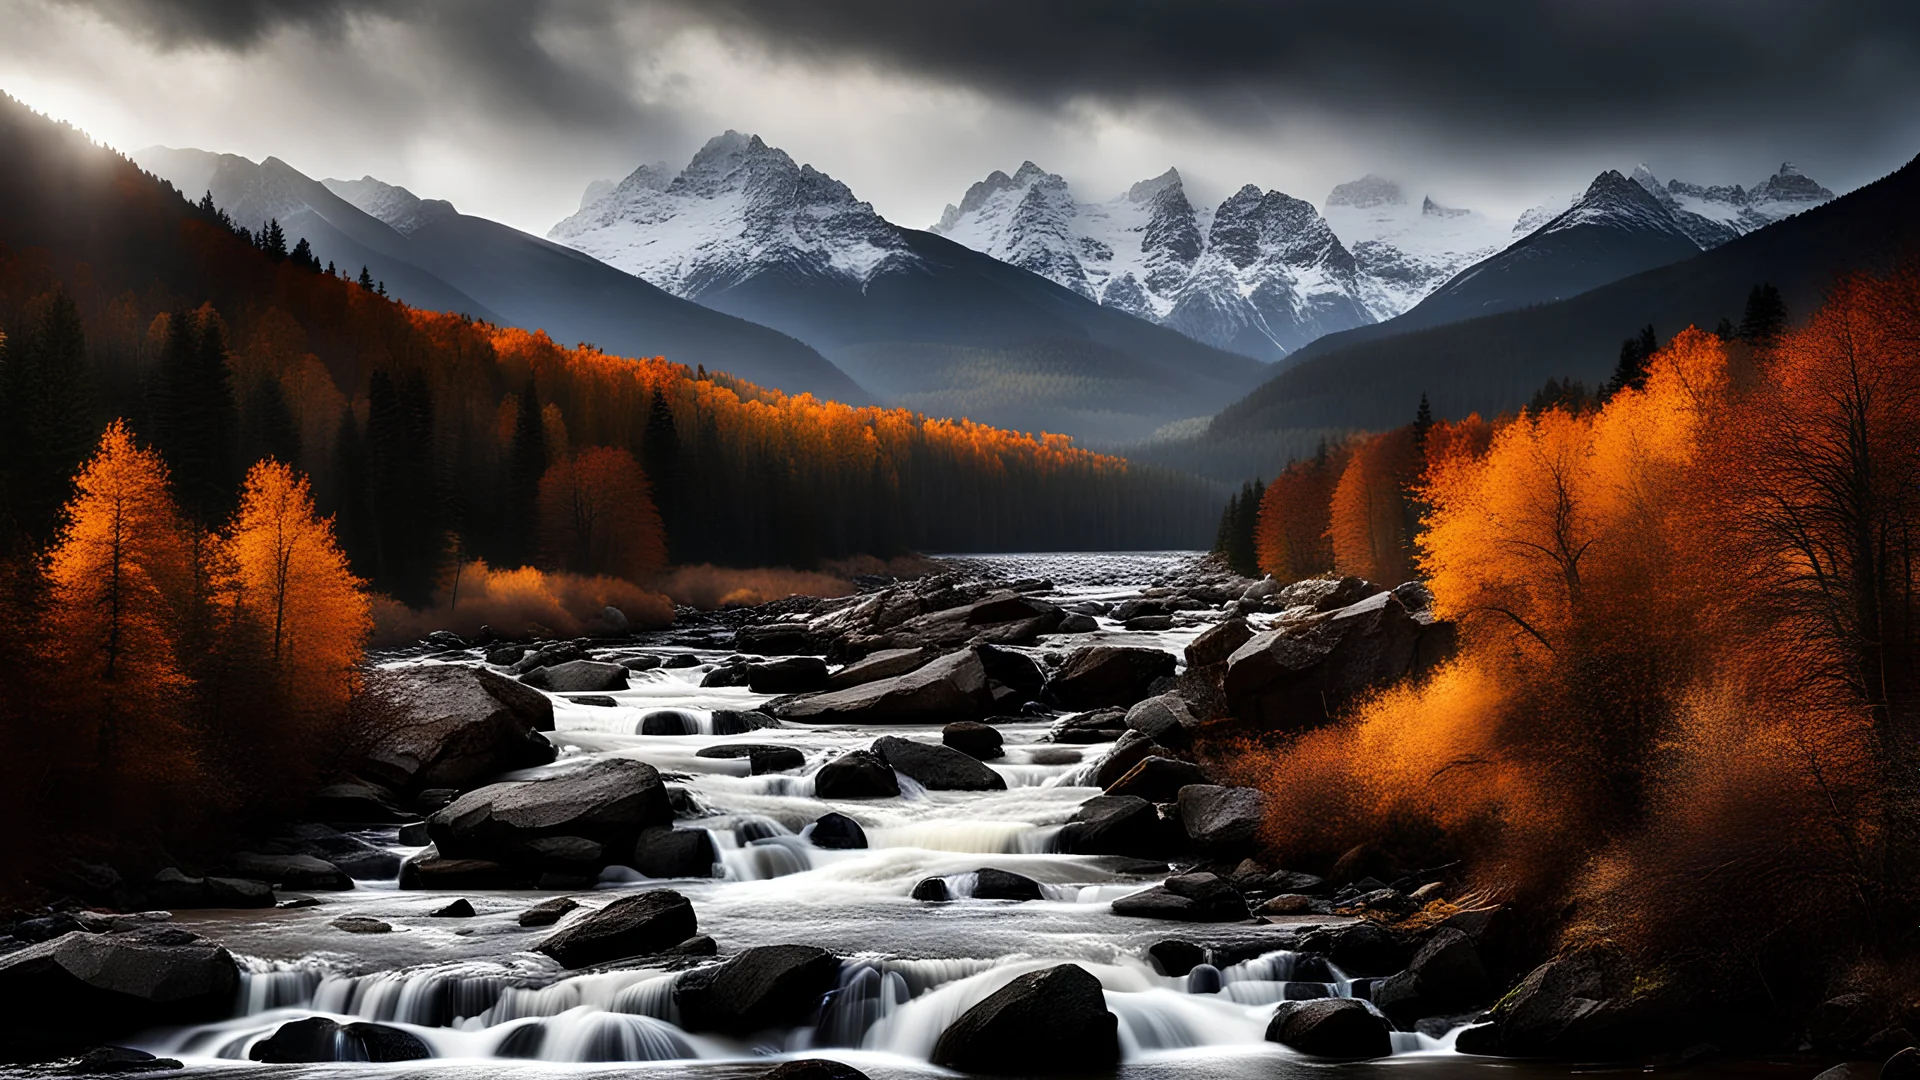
1370,523
290,581
597,516
120,576
1291,535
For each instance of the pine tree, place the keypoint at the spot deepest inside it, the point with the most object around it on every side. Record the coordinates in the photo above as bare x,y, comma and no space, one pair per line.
1765,318
1422,423
1223,536
273,241
46,406
660,457
527,464
196,422
303,256
366,279
267,428
1724,329
1635,352
406,520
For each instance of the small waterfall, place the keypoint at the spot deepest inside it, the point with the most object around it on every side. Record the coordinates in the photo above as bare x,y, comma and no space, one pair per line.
276,984
768,857
585,1034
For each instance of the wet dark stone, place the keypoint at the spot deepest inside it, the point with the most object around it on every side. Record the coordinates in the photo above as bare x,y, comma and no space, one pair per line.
459,909
769,986
1330,1028
647,922
992,884
813,1069
1051,1021
856,774
761,757
837,830
318,1039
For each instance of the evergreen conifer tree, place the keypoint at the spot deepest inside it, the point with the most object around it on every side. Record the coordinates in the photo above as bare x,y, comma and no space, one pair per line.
46,405
1765,318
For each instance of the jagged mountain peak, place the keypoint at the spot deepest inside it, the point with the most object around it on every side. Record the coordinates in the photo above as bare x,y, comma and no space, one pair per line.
1150,189
395,205
1429,208
1369,191
1790,185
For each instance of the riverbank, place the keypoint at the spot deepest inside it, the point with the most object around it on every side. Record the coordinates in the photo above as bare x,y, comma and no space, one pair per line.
822,774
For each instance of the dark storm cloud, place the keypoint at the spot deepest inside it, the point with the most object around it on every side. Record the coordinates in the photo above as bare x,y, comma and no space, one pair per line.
1517,66
1531,64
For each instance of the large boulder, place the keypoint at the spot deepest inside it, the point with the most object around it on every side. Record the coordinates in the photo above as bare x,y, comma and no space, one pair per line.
993,884
427,870
1158,779
1051,1021
766,987
1186,898
81,989
176,891
1128,750
954,687
1108,825
1573,1004
856,774
1330,1028
1013,676
608,801
979,741
318,1039
999,618
292,871
884,664
1107,676
838,831
938,768
1217,642
451,726
665,852
1443,978
813,1069
1299,675
1222,820
1164,718
577,677
791,675
648,922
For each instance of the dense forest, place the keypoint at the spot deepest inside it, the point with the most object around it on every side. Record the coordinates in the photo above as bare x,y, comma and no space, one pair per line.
1683,716
430,435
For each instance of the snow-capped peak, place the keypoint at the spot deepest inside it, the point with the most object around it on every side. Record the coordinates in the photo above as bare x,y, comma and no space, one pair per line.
739,207
1151,189
395,205
1403,251
1709,214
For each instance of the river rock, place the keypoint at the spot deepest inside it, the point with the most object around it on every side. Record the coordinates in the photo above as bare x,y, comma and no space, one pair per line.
175,891
102,1060
740,721
450,726
1903,1065
937,768
1187,898
778,639
1297,676
761,757
1128,750
80,989
1175,957
1077,623
856,774
360,924
1444,977
1158,779
813,1069
837,831
608,801
933,890
954,687
427,870
1013,676
1092,726
577,677
292,871
668,722
1222,820
550,654
765,987
317,1039
1564,1006
648,922
1164,718
664,852
1050,1021
1107,675
792,675
356,802
884,664
1109,825
992,884
979,741
548,912
999,618
1217,642
1843,1023
1330,1028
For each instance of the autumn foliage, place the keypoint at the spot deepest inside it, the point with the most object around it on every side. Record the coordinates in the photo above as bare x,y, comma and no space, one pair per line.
1685,700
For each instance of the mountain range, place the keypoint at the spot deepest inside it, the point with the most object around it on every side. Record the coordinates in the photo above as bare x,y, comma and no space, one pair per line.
1495,363
914,317
430,255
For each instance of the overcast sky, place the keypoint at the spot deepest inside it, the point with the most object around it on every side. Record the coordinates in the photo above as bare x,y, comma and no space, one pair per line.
510,107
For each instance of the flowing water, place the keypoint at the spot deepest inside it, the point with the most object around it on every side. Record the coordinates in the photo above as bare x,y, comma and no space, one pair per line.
487,1005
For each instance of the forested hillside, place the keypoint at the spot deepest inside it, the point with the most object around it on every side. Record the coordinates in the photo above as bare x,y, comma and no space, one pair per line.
430,434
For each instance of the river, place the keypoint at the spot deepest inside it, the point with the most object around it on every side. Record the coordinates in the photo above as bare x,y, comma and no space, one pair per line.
471,988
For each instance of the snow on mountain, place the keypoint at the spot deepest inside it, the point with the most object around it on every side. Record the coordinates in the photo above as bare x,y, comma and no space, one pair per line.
1261,274
1710,215
396,206
739,208
1401,251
